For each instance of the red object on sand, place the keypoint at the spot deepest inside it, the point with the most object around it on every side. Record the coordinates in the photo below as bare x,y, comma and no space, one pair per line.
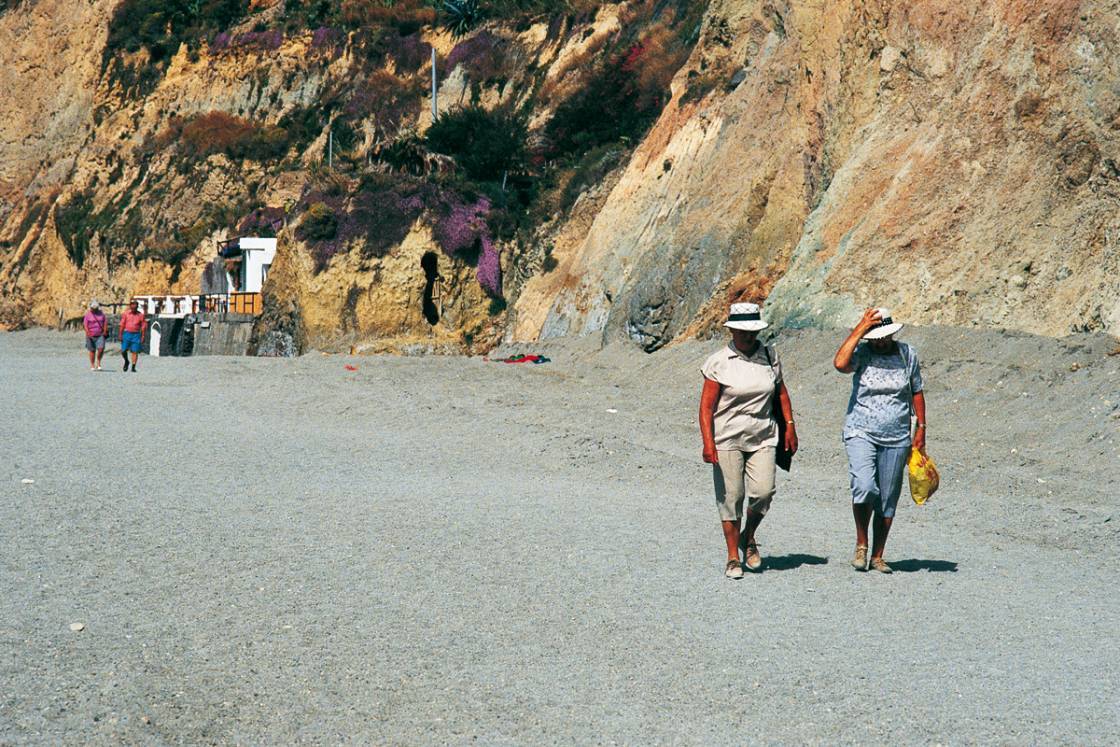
351,368
531,358
525,359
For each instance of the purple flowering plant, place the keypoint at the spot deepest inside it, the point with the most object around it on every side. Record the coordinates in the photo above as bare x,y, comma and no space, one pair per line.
461,229
263,221
265,41
329,40
408,52
481,56
221,42
383,211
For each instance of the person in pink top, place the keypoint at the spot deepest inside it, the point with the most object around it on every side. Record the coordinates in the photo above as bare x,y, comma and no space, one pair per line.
96,326
133,324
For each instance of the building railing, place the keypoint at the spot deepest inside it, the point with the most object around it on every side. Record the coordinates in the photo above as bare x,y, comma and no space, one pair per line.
222,303
231,303
166,304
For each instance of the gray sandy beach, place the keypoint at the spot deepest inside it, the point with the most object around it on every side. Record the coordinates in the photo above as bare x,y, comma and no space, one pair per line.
449,550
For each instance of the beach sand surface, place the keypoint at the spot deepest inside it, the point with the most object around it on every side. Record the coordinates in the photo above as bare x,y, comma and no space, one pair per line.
445,550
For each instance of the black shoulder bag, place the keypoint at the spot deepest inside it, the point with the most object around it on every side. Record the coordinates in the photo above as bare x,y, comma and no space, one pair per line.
783,457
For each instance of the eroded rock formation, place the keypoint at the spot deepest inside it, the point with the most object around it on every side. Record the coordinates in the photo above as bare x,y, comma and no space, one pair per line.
957,161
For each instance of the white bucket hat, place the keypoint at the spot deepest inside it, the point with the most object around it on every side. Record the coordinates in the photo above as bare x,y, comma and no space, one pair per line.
885,327
94,304
745,316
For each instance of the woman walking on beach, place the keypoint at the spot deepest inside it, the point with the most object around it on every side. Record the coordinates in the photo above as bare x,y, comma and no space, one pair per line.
96,326
740,432
886,389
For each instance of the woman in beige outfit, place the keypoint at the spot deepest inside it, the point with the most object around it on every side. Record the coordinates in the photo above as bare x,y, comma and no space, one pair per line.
740,431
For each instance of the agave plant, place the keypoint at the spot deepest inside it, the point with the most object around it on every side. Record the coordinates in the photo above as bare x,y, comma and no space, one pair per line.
461,15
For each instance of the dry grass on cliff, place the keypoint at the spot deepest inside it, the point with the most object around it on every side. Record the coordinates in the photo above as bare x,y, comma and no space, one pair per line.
218,132
405,15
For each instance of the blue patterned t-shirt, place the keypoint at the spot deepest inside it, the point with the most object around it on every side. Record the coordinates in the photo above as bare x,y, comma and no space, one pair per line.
883,386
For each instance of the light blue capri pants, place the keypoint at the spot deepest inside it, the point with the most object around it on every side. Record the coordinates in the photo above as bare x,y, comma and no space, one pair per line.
876,473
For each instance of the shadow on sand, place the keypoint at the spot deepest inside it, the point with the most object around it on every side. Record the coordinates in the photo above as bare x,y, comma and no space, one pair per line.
791,561
933,566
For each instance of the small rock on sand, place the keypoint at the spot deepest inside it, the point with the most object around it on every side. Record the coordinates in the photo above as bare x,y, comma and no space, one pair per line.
77,627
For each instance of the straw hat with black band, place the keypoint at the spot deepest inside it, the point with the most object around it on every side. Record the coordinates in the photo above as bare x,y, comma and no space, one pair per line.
745,316
885,327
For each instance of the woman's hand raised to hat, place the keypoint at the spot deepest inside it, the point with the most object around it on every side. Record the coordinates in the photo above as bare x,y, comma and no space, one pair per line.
870,318
843,359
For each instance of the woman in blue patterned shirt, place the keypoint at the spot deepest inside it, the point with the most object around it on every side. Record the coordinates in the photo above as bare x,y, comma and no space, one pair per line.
886,390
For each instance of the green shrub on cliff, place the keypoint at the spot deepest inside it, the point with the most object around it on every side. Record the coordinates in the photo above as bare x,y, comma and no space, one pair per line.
485,144
117,225
75,226
299,15
160,26
303,125
320,223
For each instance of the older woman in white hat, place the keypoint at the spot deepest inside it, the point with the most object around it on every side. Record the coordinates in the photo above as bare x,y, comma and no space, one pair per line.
740,432
886,389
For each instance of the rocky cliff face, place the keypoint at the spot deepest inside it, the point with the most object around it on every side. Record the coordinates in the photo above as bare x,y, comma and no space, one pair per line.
957,162
954,161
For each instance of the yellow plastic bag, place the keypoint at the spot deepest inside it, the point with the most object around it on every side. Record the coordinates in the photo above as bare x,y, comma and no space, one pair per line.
923,477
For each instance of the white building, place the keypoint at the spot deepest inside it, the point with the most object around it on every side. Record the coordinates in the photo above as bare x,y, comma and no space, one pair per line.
257,256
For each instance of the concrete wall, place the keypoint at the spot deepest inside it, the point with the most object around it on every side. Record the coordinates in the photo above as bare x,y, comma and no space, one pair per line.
222,334
225,334
214,279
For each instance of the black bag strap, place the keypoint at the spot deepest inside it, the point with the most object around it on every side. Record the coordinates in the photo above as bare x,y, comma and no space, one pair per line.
769,360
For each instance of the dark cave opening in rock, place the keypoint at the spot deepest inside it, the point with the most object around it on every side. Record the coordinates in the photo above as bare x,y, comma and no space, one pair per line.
429,263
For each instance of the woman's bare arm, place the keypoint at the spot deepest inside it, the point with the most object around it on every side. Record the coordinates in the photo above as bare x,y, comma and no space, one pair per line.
709,399
787,413
919,441
843,359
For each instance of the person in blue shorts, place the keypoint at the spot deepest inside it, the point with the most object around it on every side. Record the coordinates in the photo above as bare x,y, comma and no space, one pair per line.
133,324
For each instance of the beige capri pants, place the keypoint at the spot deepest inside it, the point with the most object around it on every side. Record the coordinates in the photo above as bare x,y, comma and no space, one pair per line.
741,474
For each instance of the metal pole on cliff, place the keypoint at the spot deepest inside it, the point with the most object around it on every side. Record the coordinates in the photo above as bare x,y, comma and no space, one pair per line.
435,111
330,149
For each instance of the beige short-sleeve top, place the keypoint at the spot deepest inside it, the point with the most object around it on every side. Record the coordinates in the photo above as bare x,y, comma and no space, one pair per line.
744,419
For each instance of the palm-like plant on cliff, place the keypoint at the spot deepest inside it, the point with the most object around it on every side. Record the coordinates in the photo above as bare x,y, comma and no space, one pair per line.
461,15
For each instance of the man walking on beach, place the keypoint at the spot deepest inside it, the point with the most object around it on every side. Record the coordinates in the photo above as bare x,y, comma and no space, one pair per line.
132,333
96,327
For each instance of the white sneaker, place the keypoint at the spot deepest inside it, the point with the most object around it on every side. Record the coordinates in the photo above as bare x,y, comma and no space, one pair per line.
734,569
